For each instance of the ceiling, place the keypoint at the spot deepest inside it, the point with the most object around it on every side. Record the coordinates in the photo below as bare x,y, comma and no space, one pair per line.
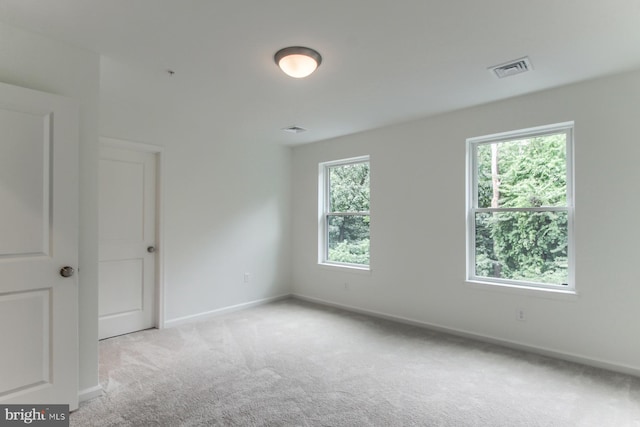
384,62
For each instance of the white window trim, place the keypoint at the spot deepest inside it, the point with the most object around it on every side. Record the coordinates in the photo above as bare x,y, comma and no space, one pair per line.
323,210
471,209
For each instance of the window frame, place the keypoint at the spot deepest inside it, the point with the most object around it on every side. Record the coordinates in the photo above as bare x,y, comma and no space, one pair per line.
472,205
324,191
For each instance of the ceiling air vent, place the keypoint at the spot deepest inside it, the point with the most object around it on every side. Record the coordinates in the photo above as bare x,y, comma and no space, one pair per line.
294,129
512,68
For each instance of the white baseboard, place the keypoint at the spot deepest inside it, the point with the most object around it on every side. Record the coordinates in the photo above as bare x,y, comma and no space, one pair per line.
90,393
207,314
570,357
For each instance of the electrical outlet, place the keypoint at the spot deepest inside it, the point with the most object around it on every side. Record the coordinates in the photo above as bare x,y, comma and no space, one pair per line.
247,277
520,315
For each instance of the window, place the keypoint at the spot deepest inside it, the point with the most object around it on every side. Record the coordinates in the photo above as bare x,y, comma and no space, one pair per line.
520,208
344,213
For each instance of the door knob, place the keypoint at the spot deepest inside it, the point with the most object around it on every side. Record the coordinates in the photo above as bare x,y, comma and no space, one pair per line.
67,271
151,249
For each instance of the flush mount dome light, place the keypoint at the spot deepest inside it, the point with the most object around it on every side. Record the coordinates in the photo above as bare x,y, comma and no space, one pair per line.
297,61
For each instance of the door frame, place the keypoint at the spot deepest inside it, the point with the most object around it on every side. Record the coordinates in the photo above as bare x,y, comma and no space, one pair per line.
159,316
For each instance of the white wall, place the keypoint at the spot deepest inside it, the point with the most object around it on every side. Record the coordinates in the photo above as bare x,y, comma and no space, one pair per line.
32,61
418,224
226,198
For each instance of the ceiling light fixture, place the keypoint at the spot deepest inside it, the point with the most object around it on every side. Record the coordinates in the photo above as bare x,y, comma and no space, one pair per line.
297,61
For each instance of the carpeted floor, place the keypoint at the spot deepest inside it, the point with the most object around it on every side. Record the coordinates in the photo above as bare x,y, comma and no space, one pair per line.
292,363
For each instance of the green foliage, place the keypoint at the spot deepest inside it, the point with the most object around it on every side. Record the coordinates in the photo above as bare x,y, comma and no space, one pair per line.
351,252
349,188
531,172
529,246
348,236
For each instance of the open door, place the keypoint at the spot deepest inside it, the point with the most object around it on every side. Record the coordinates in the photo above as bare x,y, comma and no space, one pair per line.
38,248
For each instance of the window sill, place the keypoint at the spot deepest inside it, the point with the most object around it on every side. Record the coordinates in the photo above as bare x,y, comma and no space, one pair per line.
345,268
546,293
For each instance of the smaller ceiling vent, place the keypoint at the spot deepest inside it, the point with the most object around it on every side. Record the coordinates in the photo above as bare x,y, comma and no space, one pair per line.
512,68
294,129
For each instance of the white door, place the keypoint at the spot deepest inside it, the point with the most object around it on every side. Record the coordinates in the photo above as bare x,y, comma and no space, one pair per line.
38,237
127,241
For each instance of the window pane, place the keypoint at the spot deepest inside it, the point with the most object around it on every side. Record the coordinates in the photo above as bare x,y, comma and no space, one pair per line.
349,188
528,246
523,173
348,238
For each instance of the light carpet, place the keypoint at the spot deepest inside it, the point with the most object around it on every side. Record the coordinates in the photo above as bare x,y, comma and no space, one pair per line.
292,363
